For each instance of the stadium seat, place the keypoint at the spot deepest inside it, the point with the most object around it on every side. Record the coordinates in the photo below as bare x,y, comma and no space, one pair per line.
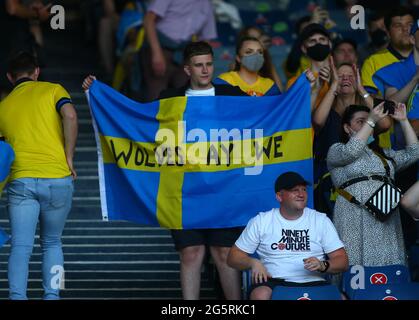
397,291
373,276
329,292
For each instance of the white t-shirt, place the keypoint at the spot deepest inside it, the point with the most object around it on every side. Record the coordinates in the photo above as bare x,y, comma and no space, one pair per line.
202,93
283,244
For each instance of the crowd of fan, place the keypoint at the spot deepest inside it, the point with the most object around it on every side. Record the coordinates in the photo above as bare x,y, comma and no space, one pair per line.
355,133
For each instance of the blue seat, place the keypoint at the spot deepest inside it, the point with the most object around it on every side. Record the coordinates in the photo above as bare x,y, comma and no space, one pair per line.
397,291
358,278
328,292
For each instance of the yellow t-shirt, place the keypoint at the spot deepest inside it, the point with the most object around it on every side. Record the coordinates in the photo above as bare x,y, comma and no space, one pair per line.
371,65
305,63
262,87
374,63
31,122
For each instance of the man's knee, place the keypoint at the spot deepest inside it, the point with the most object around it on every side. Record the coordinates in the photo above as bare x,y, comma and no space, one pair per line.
261,293
192,255
220,254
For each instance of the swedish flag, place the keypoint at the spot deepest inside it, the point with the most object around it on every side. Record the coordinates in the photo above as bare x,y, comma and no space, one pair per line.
7,157
198,162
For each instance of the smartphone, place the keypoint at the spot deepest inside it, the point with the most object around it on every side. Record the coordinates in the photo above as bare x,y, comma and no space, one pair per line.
389,106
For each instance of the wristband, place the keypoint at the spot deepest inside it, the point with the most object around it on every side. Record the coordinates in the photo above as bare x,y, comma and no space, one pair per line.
370,123
326,266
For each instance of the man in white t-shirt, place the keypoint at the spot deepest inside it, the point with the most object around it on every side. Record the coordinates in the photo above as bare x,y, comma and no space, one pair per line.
295,245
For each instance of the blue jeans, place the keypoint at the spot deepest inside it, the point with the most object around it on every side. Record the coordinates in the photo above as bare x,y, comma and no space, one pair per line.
30,199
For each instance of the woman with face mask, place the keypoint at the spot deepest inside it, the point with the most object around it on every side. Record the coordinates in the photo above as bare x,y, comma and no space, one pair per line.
359,168
268,70
249,65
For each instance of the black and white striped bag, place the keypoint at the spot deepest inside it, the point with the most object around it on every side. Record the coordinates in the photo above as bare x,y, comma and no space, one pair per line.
384,201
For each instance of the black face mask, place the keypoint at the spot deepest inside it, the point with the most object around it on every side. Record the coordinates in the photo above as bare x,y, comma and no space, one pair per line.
379,38
318,52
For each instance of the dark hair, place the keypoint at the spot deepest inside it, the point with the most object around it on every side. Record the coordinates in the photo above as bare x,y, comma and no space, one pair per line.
244,32
243,40
347,64
338,43
346,119
197,48
375,16
300,22
21,63
397,12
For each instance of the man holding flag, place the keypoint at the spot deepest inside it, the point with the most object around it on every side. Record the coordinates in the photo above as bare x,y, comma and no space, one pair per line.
199,67
207,198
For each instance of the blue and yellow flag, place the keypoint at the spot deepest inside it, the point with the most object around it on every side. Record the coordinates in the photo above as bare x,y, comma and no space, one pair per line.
7,156
198,162
398,75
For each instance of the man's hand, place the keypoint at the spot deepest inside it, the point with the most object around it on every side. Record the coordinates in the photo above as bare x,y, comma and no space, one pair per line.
43,11
319,15
311,77
87,82
325,74
158,63
313,264
259,272
400,113
71,167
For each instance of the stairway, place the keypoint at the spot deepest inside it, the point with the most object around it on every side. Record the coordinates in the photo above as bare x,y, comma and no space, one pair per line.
103,260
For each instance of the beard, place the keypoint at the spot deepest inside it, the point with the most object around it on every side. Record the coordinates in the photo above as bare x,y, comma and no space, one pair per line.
403,44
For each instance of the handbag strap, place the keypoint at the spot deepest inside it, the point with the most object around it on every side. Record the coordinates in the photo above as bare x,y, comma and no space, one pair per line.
365,178
341,190
352,199
348,197
385,163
